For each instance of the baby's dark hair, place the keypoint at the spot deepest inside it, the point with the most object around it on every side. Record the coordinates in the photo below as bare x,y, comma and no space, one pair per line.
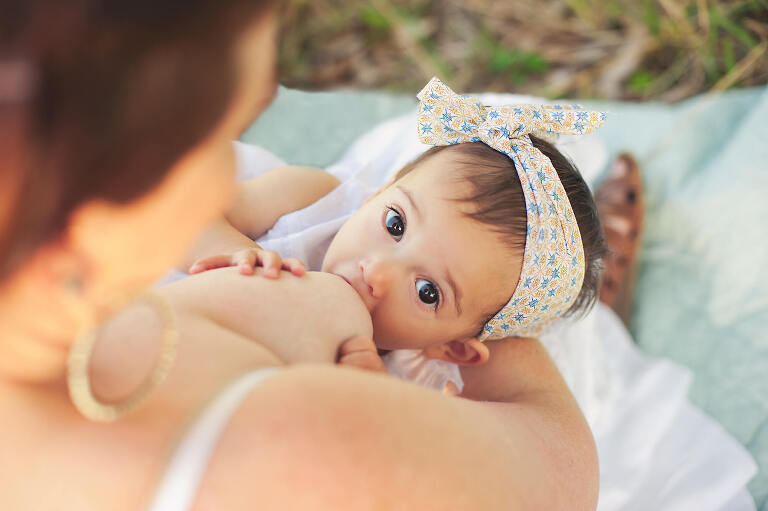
498,200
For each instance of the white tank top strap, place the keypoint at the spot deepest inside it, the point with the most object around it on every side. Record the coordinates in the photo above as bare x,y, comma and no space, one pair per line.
178,488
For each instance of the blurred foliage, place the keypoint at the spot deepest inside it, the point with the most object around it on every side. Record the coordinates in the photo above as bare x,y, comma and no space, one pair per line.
616,49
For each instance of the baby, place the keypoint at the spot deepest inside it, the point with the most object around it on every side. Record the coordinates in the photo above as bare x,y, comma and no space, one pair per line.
490,234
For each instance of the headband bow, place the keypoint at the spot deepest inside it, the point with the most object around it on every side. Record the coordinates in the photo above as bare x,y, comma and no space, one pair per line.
553,260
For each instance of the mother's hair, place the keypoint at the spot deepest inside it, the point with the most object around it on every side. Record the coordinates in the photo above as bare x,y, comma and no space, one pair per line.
98,100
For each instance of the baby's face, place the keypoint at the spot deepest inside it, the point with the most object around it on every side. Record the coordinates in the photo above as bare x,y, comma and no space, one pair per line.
426,272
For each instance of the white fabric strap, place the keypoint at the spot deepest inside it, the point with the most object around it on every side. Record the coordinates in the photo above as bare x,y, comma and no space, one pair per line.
178,488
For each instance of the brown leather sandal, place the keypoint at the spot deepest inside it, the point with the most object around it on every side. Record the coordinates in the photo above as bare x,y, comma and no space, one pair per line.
619,202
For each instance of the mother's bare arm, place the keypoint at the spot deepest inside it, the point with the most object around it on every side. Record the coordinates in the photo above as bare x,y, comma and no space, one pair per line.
326,438
520,380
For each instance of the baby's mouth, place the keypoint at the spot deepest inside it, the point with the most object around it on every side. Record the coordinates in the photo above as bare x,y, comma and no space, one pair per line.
360,288
346,279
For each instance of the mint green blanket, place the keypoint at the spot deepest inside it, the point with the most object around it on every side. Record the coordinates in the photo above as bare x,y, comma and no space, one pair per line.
702,291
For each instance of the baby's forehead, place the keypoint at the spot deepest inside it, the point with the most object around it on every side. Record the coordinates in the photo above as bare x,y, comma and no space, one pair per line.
441,175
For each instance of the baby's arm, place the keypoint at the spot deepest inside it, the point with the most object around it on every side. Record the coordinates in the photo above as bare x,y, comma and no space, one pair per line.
257,205
261,201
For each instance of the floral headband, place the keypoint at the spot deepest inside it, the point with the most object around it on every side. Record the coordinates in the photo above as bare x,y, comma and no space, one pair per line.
553,260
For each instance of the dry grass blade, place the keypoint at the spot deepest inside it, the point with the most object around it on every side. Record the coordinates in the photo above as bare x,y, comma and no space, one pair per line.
743,67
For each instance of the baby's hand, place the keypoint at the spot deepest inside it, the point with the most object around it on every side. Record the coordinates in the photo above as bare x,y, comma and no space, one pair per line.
360,352
247,260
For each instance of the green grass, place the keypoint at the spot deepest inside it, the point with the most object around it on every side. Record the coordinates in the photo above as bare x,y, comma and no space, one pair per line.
662,49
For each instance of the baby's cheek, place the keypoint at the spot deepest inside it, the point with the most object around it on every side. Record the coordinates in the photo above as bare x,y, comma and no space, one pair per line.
392,331
350,241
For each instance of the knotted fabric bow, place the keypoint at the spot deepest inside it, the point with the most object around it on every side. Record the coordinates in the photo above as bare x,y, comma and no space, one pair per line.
553,259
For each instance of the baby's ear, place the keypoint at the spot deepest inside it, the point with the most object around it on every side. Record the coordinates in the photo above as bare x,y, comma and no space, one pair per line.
465,352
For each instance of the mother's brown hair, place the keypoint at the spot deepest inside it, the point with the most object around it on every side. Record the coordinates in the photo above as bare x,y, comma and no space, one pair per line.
98,100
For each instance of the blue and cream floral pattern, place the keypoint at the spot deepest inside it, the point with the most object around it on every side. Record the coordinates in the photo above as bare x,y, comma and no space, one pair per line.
553,260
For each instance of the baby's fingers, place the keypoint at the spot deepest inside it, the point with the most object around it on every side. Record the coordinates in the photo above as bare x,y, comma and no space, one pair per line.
245,261
271,262
210,263
294,266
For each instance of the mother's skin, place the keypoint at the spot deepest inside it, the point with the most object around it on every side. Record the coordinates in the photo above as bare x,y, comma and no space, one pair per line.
330,438
314,436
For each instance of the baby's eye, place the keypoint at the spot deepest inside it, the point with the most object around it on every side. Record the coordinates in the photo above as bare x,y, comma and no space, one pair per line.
428,292
394,224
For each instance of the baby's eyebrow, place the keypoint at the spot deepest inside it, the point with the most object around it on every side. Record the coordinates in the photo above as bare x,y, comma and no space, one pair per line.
410,198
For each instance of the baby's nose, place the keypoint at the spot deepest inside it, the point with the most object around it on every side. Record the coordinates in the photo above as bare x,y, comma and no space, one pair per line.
377,275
